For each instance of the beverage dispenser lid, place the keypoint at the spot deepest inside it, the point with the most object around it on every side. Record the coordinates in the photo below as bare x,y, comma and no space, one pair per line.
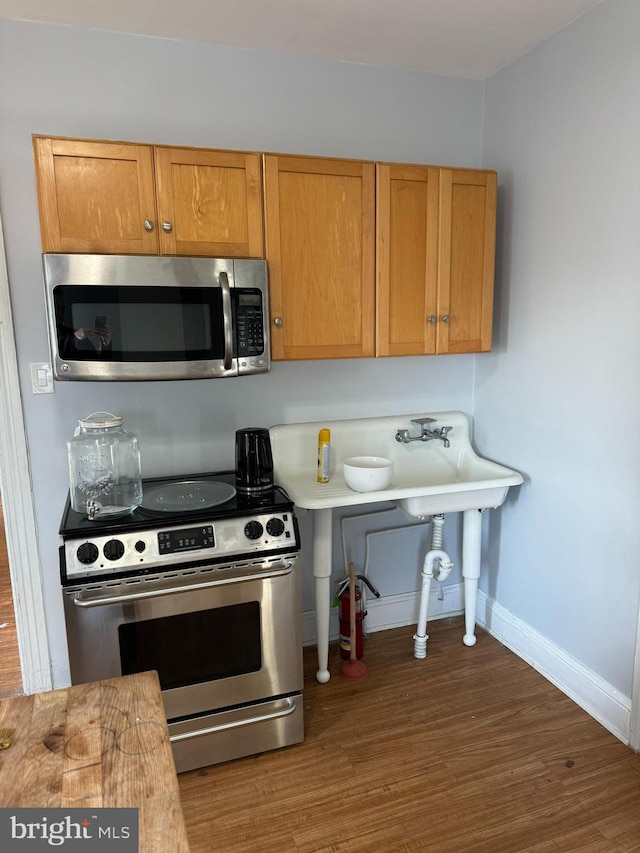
100,420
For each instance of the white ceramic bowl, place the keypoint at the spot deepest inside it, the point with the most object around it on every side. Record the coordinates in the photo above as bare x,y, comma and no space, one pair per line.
368,473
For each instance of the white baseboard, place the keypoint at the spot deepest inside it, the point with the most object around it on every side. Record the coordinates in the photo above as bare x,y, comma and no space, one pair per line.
392,611
594,695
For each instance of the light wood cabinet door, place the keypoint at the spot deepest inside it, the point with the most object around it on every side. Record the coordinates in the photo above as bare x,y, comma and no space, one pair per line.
95,196
319,229
466,260
124,198
209,202
406,259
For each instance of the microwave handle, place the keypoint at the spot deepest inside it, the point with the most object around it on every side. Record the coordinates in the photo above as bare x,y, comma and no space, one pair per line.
226,320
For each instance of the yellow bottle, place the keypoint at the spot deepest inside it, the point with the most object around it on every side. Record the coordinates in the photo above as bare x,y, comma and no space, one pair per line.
324,456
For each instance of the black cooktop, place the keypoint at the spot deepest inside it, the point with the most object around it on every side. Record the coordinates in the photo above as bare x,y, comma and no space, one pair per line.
142,518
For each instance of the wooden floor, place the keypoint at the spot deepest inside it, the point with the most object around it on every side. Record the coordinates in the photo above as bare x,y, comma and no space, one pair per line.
469,751
10,676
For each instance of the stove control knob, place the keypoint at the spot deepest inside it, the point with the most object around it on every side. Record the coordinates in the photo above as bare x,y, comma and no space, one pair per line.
113,549
87,553
253,530
275,527
140,546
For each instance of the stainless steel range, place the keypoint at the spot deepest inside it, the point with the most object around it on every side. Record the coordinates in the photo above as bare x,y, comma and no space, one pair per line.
202,585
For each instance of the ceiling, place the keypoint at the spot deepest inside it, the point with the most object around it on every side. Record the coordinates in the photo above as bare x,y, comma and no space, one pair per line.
461,38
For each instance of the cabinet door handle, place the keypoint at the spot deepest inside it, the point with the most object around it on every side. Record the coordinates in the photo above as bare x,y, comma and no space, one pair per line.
431,318
167,226
445,318
148,225
277,321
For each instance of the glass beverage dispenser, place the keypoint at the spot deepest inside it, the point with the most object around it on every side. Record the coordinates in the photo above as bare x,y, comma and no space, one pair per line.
104,468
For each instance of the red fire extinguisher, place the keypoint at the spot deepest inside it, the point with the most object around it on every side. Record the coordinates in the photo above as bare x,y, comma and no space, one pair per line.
344,613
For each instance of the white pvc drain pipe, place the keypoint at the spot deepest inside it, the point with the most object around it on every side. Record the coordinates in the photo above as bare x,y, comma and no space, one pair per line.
438,565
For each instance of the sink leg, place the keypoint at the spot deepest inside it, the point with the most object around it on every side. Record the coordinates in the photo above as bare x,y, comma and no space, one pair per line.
470,598
322,524
471,550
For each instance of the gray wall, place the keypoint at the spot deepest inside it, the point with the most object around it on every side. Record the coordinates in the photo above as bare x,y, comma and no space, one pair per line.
71,82
560,395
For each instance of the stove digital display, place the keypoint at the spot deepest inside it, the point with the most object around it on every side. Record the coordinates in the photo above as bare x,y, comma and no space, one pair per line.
187,539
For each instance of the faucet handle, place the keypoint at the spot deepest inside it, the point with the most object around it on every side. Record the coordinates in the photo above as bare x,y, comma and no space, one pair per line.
423,421
442,433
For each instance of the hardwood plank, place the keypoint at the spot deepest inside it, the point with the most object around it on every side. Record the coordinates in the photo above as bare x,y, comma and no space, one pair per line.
469,750
10,672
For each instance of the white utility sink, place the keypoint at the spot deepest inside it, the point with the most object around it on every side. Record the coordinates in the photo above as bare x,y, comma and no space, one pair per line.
474,483
429,478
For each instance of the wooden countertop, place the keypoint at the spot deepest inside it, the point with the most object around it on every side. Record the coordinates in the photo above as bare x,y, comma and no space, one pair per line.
102,744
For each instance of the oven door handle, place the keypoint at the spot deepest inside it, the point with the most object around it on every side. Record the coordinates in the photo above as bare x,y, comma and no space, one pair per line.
80,599
220,727
227,320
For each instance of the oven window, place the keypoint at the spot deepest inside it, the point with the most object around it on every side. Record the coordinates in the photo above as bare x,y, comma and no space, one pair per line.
191,648
112,323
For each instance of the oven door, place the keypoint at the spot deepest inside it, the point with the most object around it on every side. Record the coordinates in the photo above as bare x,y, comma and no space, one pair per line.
214,643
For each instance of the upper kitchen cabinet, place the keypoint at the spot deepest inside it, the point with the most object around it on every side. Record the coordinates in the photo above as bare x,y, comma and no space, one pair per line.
435,259
95,196
466,260
406,259
319,228
121,198
209,202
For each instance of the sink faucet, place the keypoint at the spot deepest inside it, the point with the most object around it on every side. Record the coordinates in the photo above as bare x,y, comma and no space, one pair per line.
403,436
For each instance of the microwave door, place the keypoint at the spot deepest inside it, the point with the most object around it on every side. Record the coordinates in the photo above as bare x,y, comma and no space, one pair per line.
115,332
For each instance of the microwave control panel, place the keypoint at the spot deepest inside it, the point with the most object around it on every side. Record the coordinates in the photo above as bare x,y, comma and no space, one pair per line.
249,325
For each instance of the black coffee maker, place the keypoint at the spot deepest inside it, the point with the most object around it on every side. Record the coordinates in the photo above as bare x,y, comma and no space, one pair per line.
254,462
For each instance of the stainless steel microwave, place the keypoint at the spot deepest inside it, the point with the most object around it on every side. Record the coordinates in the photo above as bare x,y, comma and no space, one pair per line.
135,317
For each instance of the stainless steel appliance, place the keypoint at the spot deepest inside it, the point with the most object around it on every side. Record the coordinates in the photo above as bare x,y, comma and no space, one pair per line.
254,461
128,317
201,584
